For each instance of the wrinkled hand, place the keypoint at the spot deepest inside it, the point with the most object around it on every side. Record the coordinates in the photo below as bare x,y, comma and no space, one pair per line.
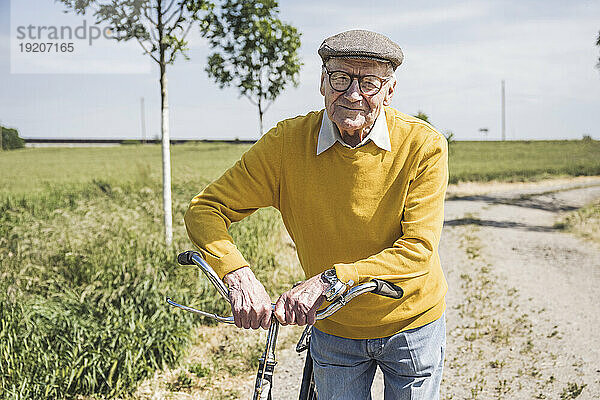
299,305
250,303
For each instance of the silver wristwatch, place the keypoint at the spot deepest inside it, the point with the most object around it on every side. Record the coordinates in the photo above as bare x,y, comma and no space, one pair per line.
336,287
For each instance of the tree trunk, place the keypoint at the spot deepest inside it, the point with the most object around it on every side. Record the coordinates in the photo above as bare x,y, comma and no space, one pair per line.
260,118
166,157
164,117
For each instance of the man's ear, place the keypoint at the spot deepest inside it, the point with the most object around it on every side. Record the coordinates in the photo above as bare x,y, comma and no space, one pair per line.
323,81
390,93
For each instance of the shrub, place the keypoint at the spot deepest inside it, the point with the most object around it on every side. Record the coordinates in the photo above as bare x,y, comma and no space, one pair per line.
11,139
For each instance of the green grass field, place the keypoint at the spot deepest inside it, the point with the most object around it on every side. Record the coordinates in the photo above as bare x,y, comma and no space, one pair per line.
523,160
35,169
83,272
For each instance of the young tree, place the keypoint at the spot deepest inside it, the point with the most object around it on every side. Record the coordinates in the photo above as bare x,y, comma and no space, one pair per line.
160,27
253,50
421,115
449,135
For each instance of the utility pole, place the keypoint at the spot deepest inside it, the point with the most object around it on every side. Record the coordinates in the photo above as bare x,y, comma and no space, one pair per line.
503,113
1,148
143,122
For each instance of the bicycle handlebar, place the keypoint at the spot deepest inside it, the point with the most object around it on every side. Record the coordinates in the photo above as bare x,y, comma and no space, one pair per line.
194,258
376,286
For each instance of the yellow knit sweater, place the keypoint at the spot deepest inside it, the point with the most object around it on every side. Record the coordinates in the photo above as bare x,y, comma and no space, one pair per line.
365,211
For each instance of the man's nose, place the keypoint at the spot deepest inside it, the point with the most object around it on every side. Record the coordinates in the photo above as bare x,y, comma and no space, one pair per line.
353,92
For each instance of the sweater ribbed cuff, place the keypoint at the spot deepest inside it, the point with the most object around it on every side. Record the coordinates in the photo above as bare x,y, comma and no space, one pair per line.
228,263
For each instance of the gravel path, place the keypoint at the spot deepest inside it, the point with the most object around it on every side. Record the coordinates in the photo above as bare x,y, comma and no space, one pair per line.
522,318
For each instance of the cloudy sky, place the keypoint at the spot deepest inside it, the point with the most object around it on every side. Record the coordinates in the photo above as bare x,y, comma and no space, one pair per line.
457,53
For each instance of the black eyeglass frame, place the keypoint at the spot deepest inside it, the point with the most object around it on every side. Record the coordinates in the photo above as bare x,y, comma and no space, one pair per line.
381,80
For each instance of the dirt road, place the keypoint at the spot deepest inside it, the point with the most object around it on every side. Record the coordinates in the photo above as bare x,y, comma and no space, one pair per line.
522,318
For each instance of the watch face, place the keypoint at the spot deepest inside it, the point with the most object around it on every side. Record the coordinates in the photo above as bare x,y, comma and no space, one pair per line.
330,275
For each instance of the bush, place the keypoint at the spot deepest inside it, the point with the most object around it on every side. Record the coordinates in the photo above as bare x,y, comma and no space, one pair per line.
11,139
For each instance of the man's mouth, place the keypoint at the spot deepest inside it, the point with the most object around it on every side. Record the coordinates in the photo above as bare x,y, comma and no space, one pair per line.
351,108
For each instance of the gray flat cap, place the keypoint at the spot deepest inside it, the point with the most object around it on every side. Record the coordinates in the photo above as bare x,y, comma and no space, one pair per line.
361,44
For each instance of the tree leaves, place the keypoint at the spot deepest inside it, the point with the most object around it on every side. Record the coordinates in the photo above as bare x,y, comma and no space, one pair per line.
253,50
156,24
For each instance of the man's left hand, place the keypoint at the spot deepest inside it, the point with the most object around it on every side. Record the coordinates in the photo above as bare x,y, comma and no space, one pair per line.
299,305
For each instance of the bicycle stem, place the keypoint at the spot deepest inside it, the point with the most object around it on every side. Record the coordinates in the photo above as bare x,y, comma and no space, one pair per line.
267,362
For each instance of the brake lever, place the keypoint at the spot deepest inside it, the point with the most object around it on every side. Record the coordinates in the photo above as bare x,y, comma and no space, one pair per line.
194,258
225,320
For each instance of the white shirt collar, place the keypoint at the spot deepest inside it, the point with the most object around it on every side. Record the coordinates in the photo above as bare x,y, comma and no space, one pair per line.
329,134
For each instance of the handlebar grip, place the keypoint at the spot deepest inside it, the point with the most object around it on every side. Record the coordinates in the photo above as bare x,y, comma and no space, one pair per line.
185,258
387,289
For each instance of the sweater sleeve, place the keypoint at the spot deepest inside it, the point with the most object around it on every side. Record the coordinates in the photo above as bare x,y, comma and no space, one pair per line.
411,255
251,183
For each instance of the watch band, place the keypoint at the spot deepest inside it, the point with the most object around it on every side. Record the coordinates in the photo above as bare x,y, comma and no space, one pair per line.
336,287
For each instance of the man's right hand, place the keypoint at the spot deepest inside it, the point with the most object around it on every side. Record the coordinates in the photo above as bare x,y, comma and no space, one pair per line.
250,303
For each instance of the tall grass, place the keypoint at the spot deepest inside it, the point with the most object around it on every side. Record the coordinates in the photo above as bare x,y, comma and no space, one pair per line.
83,279
584,222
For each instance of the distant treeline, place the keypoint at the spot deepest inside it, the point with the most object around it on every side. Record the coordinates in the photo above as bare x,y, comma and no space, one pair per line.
11,139
132,141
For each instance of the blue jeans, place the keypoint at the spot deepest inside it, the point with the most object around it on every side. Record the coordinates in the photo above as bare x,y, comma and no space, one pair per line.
411,362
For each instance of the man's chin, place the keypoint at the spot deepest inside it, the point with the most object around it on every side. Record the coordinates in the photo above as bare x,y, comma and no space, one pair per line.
351,124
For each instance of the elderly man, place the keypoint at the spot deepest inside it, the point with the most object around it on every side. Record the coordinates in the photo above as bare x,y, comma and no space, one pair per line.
360,187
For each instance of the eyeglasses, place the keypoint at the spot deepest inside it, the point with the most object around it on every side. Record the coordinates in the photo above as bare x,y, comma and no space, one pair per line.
369,85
